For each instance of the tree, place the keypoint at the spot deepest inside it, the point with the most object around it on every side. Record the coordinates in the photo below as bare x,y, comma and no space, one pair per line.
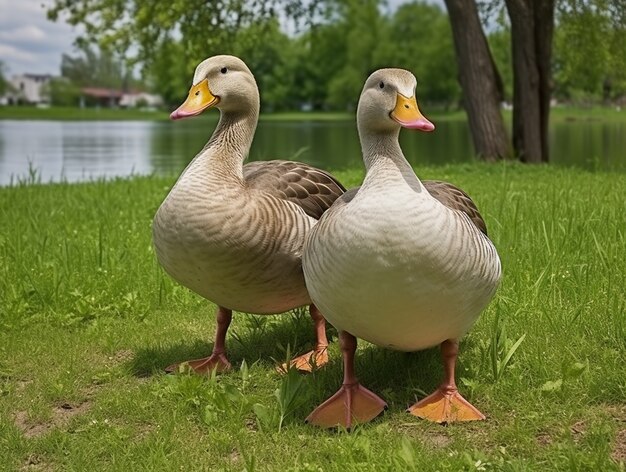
480,81
361,21
95,69
206,27
4,84
63,92
429,52
532,26
590,50
532,29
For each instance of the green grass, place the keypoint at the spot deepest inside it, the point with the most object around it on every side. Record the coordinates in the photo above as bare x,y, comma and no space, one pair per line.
88,321
77,114
73,113
558,114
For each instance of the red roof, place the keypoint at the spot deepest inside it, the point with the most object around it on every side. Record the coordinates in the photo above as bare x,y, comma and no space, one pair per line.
101,92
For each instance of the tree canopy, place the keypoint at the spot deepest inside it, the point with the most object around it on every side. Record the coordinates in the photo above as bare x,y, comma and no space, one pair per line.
317,53
323,65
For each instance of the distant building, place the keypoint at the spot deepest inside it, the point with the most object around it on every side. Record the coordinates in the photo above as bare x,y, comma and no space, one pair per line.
28,88
141,100
116,98
100,96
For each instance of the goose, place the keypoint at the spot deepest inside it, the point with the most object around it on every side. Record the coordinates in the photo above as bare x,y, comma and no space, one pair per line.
234,233
401,263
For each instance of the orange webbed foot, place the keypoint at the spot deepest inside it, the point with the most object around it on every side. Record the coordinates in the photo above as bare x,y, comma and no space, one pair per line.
308,362
215,362
446,406
351,404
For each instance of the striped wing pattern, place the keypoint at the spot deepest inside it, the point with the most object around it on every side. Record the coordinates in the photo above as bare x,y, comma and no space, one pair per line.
312,189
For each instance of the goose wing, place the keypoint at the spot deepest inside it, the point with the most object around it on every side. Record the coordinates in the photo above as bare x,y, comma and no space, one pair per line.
456,199
314,190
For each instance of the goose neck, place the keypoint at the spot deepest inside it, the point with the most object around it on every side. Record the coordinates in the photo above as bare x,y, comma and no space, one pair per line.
229,145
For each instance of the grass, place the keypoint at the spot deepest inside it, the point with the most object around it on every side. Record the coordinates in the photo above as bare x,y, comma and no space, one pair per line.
88,321
558,114
78,114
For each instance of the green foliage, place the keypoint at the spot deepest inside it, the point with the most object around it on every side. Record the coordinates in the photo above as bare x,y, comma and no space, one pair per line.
63,92
290,397
3,80
590,50
420,40
324,66
92,68
501,348
500,45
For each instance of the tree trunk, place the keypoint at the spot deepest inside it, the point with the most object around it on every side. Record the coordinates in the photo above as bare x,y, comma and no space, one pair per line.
532,25
480,81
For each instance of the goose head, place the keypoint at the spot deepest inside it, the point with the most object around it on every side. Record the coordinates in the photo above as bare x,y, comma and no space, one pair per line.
224,82
388,102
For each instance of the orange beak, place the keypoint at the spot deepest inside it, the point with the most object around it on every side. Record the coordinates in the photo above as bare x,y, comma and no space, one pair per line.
199,99
408,115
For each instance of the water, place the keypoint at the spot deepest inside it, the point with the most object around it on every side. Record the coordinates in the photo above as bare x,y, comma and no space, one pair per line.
78,151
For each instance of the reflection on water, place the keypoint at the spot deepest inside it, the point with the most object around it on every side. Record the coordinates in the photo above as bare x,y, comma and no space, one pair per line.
77,151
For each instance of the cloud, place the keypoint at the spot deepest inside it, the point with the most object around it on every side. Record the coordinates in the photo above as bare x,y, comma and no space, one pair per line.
29,42
8,52
27,33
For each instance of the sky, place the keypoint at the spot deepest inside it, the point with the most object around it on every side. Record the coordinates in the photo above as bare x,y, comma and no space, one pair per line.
30,43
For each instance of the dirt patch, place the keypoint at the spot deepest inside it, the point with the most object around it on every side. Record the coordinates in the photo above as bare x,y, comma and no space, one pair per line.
121,356
618,454
251,424
434,437
618,412
544,439
437,440
35,462
144,430
61,415
29,429
578,430
234,457
21,385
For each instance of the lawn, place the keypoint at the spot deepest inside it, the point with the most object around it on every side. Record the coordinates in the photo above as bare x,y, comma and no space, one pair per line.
558,114
88,321
118,114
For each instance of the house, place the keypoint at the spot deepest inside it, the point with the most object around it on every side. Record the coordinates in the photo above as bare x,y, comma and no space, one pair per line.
28,88
100,97
112,98
141,100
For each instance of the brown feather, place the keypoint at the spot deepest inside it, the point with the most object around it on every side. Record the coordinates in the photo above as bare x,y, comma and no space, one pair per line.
447,194
456,199
312,189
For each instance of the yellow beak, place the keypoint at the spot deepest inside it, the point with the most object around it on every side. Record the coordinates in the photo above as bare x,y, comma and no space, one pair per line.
408,115
199,99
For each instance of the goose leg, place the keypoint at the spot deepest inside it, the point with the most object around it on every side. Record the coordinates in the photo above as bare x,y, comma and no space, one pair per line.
217,360
318,356
353,403
446,404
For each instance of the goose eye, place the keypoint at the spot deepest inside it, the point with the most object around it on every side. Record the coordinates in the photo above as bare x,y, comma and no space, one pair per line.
381,85
224,70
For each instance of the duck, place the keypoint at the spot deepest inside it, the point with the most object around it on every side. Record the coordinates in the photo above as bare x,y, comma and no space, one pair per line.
234,233
401,263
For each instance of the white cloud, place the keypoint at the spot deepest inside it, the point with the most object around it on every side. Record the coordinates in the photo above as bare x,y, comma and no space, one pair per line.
27,33
9,53
29,42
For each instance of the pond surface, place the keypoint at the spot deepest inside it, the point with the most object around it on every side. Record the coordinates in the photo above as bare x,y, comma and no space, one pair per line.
77,151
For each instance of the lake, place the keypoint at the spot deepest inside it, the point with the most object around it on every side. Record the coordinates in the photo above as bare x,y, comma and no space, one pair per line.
84,150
